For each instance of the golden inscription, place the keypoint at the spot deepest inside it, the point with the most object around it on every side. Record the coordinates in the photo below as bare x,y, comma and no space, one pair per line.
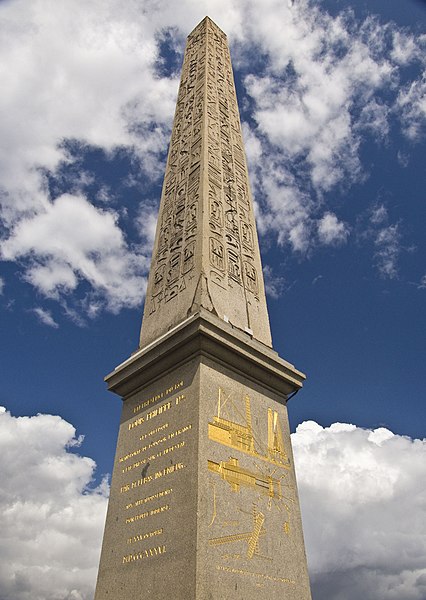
148,513
141,537
156,412
257,575
145,480
160,396
153,432
149,498
151,415
149,553
154,456
154,444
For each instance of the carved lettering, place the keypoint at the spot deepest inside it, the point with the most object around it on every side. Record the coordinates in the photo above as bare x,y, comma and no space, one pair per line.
217,255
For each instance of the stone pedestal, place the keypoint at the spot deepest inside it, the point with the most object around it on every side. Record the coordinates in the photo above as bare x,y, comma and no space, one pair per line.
203,500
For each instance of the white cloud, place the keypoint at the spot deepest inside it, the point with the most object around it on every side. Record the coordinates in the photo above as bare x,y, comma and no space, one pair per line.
87,73
321,91
361,490
364,508
388,249
422,284
386,239
51,520
1,286
379,214
412,104
331,231
71,241
274,284
45,317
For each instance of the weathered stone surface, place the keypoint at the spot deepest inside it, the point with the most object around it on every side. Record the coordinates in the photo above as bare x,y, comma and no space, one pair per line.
203,502
206,252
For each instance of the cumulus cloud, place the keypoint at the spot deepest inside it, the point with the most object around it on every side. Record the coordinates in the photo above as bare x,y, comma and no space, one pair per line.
94,75
321,93
331,231
364,508
71,241
51,518
361,491
88,75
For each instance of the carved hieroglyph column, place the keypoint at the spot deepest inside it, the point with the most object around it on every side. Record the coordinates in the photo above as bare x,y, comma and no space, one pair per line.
206,251
203,502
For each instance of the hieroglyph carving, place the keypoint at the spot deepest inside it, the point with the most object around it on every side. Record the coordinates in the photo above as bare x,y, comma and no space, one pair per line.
174,257
206,138
230,215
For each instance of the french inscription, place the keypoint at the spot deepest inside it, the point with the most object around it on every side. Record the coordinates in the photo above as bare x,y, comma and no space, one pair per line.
157,475
160,396
149,553
153,457
246,573
141,537
148,513
152,414
147,499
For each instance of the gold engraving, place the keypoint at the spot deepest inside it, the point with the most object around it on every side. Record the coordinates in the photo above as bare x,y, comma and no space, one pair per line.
232,473
141,537
240,436
149,553
148,513
151,415
235,571
265,473
251,537
145,480
154,456
159,396
147,499
151,445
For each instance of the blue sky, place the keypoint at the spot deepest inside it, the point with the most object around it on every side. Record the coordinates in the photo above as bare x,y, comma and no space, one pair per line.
333,103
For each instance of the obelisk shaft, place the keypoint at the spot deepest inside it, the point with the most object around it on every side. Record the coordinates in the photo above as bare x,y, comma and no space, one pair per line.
206,252
203,502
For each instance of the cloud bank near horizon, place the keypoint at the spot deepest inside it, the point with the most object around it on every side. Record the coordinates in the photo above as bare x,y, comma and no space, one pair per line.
361,491
51,517
97,78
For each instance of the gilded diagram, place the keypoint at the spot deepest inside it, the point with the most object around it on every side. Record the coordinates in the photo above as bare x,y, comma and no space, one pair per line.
255,470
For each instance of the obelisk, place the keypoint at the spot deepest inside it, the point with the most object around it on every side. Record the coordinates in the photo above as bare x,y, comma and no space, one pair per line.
203,500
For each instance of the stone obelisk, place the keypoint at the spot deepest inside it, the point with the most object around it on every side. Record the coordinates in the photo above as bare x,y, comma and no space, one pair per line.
203,501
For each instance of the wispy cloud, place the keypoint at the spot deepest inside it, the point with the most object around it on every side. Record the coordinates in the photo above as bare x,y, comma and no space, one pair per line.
412,104
386,237
45,317
274,284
